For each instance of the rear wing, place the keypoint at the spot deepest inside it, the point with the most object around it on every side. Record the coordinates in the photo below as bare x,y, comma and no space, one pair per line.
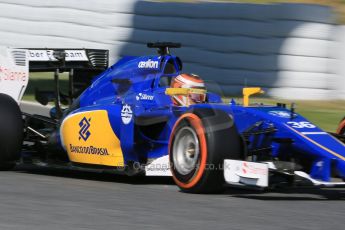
81,64
47,60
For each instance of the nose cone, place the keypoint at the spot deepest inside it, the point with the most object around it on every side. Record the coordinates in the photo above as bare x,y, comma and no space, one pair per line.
326,151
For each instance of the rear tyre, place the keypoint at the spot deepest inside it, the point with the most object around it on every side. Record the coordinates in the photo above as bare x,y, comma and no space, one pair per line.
200,141
11,132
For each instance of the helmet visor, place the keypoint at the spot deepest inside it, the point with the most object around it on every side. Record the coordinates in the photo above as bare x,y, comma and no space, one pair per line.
197,98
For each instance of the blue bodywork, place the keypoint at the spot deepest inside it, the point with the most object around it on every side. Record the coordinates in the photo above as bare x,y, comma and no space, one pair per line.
141,83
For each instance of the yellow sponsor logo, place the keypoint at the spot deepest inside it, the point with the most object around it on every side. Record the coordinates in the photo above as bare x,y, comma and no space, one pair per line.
89,138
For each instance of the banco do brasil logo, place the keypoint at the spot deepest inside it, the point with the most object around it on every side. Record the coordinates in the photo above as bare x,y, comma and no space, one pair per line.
84,131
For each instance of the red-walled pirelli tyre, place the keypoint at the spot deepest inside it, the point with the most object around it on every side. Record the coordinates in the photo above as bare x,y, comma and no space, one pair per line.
11,132
341,127
200,141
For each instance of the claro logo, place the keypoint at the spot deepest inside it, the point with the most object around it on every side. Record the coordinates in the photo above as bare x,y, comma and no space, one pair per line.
9,75
149,64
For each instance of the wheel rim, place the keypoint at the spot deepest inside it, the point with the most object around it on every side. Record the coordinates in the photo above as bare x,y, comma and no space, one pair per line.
186,150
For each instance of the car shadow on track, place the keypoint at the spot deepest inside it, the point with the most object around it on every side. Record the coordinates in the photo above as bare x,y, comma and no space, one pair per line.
281,194
95,176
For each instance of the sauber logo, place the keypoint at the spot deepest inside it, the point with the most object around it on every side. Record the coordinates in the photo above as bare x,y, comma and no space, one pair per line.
48,55
283,114
126,114
40,55
84,132
149,64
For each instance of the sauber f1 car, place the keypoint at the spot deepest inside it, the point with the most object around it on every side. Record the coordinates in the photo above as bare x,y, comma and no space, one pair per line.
144,116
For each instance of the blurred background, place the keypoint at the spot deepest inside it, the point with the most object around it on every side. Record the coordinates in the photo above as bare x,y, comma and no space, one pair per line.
294,49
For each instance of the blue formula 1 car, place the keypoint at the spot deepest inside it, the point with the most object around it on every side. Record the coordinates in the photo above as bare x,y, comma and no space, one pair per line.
144,116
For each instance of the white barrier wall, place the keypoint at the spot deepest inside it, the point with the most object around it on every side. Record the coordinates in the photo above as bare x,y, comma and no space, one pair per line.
289,49
339,61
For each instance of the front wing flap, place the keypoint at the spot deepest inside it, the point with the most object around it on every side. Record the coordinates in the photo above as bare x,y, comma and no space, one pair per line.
257,175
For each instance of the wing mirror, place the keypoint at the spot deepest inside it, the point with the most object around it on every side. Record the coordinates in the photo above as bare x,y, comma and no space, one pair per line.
247,92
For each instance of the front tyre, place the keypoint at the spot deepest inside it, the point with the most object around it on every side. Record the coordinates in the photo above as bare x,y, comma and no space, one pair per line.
11,132
200,141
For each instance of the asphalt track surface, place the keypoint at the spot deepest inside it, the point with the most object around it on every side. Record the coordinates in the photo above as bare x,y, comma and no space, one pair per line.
37,198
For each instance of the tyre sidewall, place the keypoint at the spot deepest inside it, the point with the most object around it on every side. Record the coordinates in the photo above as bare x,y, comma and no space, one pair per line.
222,141
11,131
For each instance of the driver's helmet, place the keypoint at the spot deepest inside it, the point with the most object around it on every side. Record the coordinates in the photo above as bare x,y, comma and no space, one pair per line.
188,81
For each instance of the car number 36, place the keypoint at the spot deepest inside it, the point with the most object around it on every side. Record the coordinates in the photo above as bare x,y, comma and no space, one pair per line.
301,125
